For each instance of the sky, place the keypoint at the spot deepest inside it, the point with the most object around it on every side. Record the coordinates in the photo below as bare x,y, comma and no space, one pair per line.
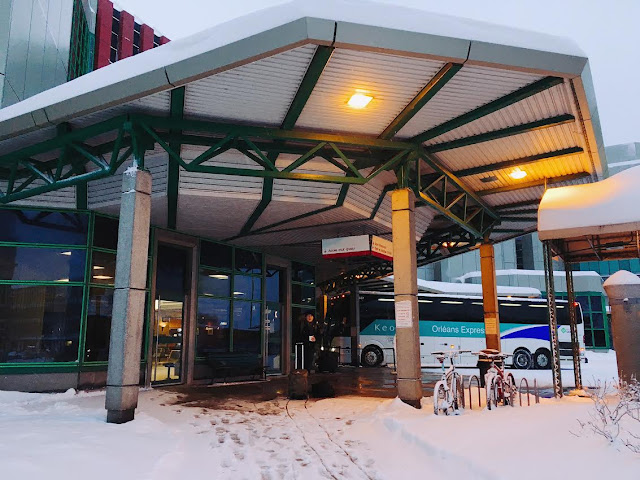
607,30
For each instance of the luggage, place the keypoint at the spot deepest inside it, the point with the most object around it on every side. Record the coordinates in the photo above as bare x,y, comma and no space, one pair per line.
299,377
322,389
328,361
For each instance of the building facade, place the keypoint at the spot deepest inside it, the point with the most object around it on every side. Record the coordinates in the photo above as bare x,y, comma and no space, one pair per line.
119,35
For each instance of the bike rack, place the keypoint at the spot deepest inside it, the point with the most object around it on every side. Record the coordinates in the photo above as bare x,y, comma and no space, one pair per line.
479,392
535,390
526,382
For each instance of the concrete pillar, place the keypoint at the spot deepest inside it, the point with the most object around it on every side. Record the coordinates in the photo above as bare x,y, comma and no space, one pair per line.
123,376
490,296
623,290
405,274
553,320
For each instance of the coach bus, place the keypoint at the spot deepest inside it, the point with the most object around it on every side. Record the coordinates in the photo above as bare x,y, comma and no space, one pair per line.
457,322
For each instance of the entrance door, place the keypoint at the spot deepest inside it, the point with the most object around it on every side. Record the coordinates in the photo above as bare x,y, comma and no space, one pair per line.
273,319
169,314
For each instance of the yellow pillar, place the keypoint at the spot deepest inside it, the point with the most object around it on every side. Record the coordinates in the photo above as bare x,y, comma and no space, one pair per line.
490,296
405,273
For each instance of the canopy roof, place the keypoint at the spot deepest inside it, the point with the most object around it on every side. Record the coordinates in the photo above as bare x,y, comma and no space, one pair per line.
472,289
251,117
594,222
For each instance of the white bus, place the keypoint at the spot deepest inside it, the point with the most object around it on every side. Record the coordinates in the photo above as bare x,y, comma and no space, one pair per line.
457,322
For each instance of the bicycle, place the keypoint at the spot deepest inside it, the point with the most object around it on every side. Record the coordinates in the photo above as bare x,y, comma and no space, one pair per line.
448,393
500,388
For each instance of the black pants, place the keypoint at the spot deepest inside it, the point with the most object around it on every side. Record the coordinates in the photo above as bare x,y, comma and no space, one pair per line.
309,356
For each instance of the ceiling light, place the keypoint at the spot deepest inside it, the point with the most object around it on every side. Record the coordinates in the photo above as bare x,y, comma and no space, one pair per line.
98,267
518,174
68,254
359,100
219,277
102,277
62,280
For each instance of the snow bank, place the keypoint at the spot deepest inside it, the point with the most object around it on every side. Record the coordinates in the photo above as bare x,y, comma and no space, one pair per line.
608,206
622,277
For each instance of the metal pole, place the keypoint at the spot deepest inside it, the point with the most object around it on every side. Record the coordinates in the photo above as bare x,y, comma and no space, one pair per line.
553,322
573,324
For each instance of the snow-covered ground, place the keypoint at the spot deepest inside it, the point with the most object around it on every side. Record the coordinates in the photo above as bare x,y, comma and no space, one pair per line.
64,436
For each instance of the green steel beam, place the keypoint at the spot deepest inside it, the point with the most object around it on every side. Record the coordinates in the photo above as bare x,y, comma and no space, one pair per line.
491,107
440,79
535,183
518,162
502,133
173,173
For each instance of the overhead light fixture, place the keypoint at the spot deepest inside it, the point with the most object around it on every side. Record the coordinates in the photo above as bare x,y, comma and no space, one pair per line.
359,100
219,277
102,277
98,267
68,254
518,174
62,280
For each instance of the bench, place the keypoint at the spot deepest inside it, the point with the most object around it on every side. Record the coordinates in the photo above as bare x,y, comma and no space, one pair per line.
235,364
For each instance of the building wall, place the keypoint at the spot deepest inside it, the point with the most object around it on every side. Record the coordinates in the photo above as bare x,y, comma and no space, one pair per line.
119,35
34,46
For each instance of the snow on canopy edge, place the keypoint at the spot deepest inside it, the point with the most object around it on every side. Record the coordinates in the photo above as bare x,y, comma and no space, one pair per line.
454,288
608,206
174,63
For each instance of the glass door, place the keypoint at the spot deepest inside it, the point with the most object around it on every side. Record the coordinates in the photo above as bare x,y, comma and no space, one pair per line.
166,356
272,328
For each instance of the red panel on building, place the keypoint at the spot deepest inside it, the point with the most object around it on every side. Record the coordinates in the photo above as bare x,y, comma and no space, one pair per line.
103,33
146,38
125,47
164,40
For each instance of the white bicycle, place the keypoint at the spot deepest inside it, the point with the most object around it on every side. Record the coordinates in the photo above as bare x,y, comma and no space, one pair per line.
500,387
448,393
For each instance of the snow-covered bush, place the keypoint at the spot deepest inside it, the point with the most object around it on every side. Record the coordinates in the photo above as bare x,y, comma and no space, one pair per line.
616,413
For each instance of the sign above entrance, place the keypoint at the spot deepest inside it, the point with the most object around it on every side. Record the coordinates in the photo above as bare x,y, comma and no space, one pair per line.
357,246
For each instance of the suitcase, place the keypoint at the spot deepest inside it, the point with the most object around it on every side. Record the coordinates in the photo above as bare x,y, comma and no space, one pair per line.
299,377
328,361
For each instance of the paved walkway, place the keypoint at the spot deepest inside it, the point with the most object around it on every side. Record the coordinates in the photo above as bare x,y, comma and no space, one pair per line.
366,382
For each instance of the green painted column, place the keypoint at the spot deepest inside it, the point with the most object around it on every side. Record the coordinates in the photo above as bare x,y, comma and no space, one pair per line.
123,376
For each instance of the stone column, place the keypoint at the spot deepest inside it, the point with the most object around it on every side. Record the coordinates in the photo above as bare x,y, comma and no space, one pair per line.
623,290
490,296
405,274
123,376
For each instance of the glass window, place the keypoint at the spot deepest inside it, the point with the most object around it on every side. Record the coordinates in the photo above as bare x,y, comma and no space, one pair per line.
42,264
103,268
583,300
36,226
248,262
246,287
215,255
105,233
625,265
214,282
98,325
303,295
39,323
212,334
599,339
588,341
171,268
274,285
597,320
303,273
246,327
595,302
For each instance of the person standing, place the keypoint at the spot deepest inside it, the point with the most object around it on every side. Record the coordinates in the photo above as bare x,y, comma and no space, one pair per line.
309,335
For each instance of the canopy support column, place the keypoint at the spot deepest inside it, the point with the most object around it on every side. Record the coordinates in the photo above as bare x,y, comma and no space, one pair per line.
573,325
490,296
553,319
405,273
123,376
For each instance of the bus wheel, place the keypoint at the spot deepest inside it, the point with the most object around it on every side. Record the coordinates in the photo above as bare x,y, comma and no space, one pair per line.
522,359
372,356
542,358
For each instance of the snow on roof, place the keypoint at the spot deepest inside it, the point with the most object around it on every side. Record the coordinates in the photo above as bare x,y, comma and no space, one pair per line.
527,273
470,288
608,206
189,58
622,277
